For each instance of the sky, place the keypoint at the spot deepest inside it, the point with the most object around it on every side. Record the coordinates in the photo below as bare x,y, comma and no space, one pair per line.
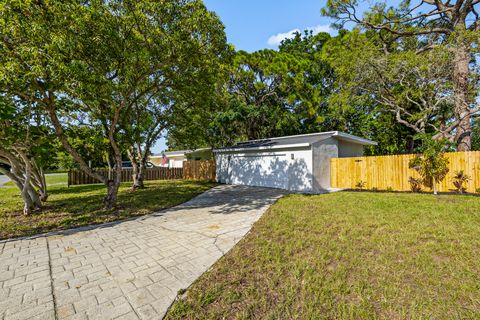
252,25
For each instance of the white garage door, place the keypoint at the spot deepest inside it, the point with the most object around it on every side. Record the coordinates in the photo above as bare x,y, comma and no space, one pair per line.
259,170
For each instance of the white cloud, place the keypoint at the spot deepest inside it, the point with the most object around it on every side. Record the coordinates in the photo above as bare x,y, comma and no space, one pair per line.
276,39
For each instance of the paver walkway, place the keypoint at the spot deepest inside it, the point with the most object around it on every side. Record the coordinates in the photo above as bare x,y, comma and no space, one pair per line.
126,270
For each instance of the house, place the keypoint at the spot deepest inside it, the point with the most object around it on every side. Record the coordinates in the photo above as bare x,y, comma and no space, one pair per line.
171,159
297,163
175,159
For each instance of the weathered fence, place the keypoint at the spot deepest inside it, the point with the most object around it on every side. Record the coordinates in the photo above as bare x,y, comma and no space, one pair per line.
393,172
199,170
193,170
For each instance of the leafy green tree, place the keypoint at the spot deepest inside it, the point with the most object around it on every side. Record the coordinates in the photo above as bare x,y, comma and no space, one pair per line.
476,135
90,144
271,93
431,164
89,63
444,32
415,89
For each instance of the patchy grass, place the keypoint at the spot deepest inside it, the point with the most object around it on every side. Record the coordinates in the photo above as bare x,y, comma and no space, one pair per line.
349,256
82,205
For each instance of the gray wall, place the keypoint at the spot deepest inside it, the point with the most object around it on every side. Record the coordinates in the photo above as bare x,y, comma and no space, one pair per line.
322,152
348,149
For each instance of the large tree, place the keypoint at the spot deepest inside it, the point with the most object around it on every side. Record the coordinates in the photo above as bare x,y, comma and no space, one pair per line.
414,90
272,93
91,62
25,149
453,25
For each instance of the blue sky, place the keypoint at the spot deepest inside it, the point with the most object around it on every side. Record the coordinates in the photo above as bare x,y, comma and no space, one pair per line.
257,24
249,23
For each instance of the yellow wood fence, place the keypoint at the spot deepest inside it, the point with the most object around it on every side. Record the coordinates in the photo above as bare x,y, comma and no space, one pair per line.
199,170
393,172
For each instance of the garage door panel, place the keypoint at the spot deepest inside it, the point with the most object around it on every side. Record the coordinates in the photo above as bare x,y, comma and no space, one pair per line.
261,171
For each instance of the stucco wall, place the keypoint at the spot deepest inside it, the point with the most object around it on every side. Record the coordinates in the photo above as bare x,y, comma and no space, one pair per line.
348,149
322,152
309,171
274,169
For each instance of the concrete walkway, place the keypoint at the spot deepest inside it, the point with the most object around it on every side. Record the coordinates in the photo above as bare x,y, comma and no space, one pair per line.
125,270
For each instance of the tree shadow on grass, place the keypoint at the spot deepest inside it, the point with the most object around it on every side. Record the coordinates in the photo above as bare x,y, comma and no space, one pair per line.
82,205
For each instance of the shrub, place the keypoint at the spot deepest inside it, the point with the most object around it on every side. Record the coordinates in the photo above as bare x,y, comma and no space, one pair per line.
415,184
459,181
360,185
431,164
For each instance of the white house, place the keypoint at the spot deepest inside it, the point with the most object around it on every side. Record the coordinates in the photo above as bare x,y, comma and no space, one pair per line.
296,163
172,159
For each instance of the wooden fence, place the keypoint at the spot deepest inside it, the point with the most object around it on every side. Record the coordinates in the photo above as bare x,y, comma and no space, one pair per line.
199,170
393,172
193,170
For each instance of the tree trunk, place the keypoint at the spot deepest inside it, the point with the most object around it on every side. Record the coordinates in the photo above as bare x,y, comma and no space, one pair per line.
461,98
31,202
36,199
113,184
434,183
28,206
138,172
40,182
110,199
29,195
140,176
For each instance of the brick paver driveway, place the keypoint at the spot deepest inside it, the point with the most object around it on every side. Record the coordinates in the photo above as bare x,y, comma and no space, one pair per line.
126,270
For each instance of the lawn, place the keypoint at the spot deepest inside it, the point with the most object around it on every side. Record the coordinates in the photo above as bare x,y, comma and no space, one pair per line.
349,255
82,205
53,179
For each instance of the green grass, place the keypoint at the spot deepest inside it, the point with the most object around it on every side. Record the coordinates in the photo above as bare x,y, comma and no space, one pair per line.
82,205
54,179
349,256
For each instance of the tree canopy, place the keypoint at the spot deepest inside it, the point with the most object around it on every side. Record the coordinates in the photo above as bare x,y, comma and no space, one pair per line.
90,63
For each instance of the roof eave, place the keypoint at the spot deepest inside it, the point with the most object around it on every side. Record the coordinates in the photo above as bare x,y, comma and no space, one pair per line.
267,148
354,139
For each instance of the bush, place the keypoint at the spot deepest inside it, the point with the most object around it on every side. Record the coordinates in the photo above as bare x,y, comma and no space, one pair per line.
360,185
415,184
459,181
431,164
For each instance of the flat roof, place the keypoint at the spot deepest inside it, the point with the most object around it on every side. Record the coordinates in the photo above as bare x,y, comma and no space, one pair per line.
300,140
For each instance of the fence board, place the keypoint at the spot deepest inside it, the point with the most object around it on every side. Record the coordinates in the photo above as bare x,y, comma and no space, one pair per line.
199,170
393,172
78,177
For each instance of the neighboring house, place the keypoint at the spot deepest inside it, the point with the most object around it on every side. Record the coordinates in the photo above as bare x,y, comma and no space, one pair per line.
175,159
172,159
297,163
